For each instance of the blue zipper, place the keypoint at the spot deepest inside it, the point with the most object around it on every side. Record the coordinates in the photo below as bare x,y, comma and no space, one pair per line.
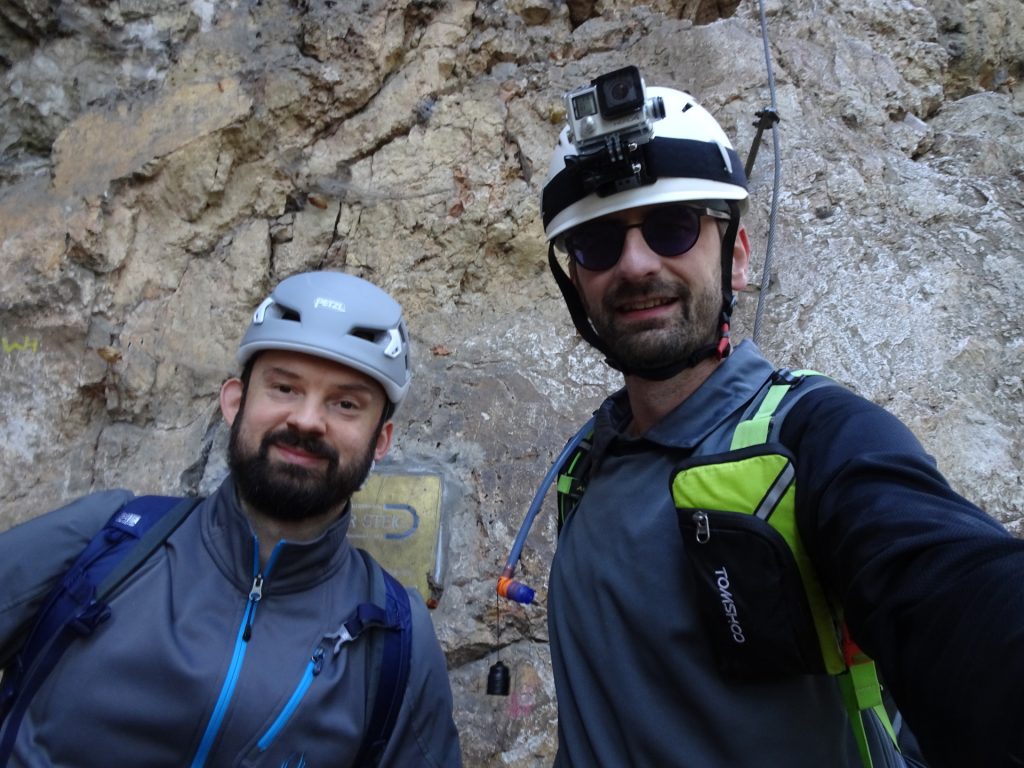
316,663
238,656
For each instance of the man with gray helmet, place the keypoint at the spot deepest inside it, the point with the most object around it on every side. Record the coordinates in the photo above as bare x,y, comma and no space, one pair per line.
722,517
237,642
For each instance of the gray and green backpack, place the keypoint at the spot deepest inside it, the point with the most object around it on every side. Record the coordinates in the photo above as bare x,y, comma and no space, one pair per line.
765,610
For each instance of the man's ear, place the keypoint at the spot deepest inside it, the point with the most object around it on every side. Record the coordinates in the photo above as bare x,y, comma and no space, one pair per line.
383,441
231,399
740,259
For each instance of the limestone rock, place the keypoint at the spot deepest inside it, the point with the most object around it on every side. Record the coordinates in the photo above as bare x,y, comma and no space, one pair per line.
164,162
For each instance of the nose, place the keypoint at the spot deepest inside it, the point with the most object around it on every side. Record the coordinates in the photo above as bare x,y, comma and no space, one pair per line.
637,259
308,417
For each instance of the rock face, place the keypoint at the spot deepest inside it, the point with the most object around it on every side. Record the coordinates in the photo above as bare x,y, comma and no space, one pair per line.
163,163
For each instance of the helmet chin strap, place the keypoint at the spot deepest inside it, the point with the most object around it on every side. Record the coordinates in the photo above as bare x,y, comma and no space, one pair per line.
723,348
718,350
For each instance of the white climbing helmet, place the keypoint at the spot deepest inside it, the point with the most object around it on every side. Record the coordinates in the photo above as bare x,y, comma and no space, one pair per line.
688,157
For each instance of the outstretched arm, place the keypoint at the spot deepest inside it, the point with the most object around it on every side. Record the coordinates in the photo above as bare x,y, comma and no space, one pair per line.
932,587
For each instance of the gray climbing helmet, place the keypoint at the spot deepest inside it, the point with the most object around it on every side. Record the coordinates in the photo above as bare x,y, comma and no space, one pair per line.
338,317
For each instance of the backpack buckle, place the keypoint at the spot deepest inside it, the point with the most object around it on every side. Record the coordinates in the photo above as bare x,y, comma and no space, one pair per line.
787,377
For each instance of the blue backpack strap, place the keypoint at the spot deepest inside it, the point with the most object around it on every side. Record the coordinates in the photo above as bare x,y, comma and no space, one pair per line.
391,654
77,604
159,517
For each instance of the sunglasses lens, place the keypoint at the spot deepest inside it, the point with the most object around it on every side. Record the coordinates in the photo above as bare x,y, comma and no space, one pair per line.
671,231
596,245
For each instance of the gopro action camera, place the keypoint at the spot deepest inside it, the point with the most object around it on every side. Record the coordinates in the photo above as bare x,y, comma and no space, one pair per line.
612,111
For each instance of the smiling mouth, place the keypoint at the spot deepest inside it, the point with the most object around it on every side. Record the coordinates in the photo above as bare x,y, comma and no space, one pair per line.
294,455
641,306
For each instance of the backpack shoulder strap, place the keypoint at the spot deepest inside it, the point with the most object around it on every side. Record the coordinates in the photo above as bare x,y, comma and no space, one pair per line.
858,679
572,473
77,603
390,616
158,518
756,429
784,388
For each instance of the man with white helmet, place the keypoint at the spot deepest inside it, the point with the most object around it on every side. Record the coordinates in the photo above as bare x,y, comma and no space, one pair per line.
721,518
255,633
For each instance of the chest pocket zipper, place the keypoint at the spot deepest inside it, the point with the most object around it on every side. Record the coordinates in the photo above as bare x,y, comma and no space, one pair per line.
313,668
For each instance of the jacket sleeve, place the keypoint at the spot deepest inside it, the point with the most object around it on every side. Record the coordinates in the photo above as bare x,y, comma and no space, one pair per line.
931,586
425,733
34,554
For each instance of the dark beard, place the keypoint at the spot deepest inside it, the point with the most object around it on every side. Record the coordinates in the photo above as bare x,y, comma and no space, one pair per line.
291,493
655,345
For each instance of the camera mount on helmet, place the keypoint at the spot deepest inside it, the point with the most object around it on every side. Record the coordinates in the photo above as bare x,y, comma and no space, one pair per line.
609,121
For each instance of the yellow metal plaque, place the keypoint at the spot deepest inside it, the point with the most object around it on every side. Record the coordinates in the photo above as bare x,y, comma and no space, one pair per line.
397,519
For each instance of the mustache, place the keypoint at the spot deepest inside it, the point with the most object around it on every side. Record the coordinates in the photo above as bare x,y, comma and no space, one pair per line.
308,443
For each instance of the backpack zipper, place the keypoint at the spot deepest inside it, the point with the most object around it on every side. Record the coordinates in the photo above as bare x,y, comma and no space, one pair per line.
703,523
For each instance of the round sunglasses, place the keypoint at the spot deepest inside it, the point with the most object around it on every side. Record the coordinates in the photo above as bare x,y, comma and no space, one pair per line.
669,230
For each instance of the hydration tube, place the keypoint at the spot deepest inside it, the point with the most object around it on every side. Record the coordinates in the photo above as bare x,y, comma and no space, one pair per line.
507,587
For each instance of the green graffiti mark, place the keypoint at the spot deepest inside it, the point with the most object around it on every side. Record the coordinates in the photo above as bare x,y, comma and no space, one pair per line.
27,344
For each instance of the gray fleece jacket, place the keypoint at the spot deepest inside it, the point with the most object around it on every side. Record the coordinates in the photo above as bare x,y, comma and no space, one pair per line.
169,679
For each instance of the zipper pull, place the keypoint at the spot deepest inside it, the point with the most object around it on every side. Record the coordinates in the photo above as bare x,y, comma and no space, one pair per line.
257,588
318,660
700,519
255,594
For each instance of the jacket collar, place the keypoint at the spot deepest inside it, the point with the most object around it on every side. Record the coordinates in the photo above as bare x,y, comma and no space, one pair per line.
230,540
725,392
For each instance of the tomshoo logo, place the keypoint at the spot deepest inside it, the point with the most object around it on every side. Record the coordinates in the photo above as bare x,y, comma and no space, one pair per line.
337,306
729,606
